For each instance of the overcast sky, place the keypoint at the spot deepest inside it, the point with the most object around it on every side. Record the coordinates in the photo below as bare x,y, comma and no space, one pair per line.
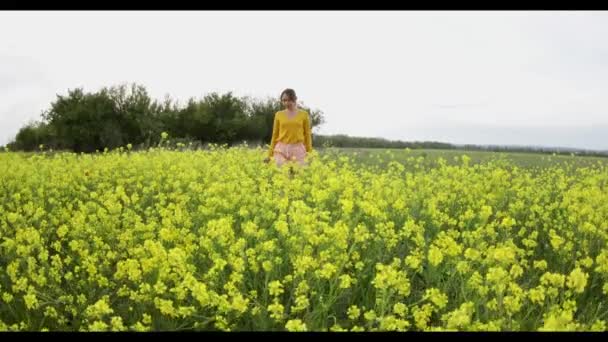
517,78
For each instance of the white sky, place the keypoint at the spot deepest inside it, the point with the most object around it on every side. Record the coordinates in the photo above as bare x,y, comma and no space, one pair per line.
475,77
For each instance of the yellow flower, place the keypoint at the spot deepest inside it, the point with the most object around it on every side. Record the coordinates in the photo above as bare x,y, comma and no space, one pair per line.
508,222
345,281
461,317
327,271
422,315
276,310
516,271
472,254
463,267
556,240
435,256
195,236
98,326
353,312
295,325
301,302
275,288
400,309
577,280
267,265
505,255
413,261
388,277
553,279
99,309
62,230
598,326
537,295
116,324
437,297
498,277
512,304
166,307
587,262
31,302
370,315
559,321
337,328
540,264
239,303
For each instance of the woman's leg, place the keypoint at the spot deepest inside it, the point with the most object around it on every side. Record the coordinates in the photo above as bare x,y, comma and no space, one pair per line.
280,152
300,154
279,159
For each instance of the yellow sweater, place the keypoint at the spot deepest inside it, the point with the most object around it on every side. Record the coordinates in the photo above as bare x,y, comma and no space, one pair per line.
291,130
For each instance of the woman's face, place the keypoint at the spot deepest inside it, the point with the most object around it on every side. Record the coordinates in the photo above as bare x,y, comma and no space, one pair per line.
287,102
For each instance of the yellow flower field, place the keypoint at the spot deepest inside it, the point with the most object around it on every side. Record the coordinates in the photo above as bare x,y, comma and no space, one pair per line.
218,240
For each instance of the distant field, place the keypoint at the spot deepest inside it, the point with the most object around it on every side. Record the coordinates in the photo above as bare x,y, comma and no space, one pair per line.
381,157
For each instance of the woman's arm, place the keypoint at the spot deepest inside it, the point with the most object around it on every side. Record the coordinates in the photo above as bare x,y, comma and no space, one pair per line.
307,134
275,134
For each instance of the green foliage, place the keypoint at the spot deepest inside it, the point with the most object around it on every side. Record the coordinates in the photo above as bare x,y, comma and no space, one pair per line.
113,117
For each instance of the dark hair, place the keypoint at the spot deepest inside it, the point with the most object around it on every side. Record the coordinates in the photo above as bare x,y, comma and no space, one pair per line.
291,94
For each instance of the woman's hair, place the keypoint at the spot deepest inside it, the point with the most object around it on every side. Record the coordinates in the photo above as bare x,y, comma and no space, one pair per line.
291,94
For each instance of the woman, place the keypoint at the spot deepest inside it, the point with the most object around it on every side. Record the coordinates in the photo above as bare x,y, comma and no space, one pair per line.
291,135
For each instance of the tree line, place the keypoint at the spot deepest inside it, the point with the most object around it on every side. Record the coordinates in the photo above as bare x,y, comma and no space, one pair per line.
117,116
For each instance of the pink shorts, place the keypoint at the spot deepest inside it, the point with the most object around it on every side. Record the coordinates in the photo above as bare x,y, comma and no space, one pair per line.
286,152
